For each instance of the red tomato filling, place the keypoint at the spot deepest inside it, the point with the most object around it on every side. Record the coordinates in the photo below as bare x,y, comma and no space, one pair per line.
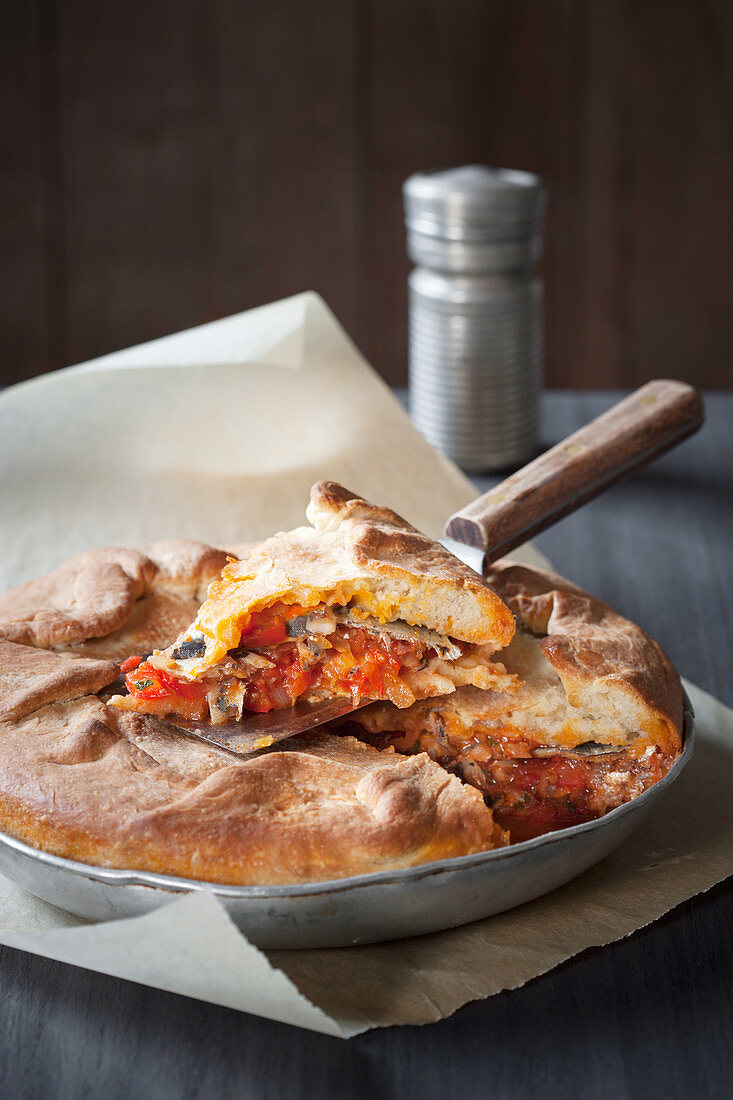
538,795
149,682
531,797
268,627
354,662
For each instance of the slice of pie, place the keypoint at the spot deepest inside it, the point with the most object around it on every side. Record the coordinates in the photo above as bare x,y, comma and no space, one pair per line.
360,604
595,721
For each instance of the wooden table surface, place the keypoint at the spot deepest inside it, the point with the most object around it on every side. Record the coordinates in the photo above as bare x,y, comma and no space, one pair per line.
650,1016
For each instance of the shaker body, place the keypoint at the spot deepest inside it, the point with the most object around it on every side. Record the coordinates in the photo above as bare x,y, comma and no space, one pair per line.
476,335
475,361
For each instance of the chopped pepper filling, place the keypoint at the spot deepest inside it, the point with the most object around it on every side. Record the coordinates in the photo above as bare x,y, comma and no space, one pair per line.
285,652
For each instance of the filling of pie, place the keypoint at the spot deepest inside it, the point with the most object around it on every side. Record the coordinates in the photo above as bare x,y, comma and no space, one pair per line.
286,652
534,788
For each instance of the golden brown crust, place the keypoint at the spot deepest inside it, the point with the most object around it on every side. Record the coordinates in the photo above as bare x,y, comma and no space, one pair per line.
113,788
112,602
381,541
595,651
184,568
94,594
88,596
155,620
31,678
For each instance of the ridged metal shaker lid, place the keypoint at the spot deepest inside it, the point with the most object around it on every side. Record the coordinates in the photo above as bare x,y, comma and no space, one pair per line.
473,218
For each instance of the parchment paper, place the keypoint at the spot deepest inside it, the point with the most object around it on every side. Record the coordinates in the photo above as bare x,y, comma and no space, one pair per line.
214,434
217,434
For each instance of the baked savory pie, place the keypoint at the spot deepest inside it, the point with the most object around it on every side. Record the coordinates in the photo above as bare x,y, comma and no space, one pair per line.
584,713
596,718
111,787
359,604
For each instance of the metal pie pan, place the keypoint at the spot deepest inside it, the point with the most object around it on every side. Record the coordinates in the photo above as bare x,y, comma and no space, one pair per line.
368,908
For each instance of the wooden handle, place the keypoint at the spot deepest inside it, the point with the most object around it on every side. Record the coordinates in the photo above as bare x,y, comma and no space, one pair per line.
644,425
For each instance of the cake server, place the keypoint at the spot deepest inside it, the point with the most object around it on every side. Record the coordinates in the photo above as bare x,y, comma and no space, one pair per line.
621,441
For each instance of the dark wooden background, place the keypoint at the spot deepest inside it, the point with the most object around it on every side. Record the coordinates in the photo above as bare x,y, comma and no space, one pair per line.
168,162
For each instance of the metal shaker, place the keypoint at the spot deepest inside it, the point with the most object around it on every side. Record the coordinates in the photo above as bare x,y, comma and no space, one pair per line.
476,340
